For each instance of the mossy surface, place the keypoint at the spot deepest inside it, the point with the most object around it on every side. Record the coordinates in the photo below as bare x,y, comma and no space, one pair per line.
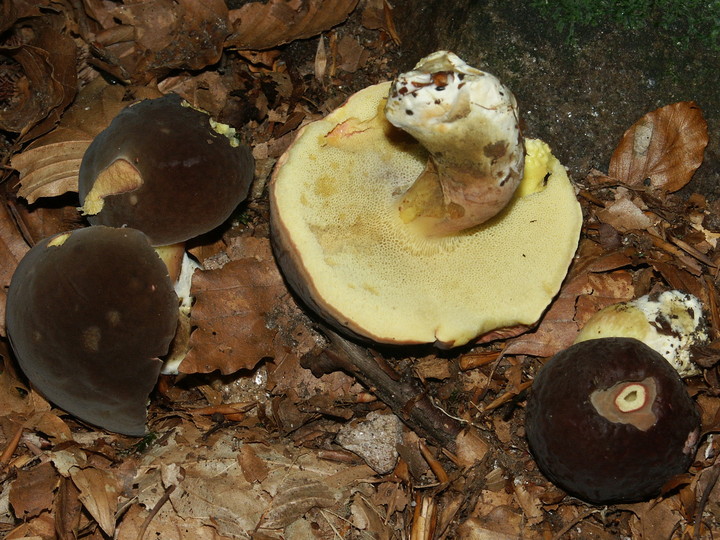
685,22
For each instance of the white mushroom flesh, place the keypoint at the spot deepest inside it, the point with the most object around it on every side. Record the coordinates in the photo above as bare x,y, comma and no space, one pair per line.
468,122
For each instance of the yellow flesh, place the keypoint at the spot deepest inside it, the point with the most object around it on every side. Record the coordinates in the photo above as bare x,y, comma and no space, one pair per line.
336,195
120,177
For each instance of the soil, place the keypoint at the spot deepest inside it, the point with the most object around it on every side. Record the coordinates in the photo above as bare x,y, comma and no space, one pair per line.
580,97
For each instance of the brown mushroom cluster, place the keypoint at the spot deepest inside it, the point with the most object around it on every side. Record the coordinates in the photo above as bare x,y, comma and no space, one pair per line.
90,313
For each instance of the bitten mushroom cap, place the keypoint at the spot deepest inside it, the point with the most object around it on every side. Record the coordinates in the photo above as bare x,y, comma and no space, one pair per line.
88,315
344,248
162,168
609,420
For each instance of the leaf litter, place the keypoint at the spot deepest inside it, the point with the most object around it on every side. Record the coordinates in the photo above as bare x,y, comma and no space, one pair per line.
247,442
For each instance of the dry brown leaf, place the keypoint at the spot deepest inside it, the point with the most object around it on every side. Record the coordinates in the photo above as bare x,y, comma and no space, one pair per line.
665,146
253,468
42,71
263,25
579,298
297,495
32,492
99,494
143,40
229,313
12,249
67,509
49,166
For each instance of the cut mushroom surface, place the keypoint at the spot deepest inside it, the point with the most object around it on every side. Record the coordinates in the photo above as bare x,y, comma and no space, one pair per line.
344,247
88,315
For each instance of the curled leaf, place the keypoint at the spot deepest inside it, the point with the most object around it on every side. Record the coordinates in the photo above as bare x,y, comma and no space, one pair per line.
263,25
664,148
37,77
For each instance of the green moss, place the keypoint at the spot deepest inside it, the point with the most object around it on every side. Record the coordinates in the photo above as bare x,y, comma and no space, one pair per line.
689,23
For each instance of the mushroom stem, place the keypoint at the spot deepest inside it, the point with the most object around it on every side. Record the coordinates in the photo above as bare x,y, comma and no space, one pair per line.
173,256
467,120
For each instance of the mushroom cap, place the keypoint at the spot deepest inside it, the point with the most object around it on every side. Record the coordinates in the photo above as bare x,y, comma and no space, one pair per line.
162,168
88,314
609,420
343,247
671,322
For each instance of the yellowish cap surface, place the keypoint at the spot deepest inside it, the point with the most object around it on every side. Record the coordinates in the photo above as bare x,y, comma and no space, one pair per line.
343,247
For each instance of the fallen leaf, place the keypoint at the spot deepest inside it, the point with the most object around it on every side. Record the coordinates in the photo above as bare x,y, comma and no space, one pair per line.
258,25
32,492
12,248
99,495
67,509
665,146
229,314
41,76
253,468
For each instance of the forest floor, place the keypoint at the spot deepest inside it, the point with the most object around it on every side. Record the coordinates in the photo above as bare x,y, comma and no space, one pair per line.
246,442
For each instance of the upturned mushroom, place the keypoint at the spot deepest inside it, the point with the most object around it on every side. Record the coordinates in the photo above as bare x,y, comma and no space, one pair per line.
670,322
166,169
609,420
89,313
437,231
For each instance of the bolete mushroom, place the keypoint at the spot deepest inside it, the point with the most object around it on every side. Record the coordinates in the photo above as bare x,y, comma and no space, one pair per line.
392,237
88,314
609,420
165,168
670,322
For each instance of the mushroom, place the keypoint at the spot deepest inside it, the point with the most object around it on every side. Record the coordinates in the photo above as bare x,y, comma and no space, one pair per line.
165,168
670,322
392,239
468,123
89,313
609,420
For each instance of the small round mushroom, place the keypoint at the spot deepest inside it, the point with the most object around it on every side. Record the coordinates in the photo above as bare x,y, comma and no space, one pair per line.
609,420
670,322
165,168
359,244
89,313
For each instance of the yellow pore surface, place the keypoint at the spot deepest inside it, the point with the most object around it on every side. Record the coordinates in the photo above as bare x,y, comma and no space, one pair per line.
335,195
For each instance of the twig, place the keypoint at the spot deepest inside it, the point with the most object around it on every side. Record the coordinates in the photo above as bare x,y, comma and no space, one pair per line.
10,448
714,474
406,398
165,498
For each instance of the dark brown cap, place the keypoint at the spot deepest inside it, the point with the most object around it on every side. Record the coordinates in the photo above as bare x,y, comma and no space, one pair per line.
166,169
88,314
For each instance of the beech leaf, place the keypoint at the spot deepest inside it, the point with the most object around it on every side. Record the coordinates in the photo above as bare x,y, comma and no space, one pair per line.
263,25
664,147
231,332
